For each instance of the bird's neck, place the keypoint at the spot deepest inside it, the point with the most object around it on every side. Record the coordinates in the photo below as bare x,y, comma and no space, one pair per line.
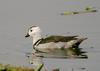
36,37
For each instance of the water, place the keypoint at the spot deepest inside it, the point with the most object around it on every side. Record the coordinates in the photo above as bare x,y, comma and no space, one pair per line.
17,16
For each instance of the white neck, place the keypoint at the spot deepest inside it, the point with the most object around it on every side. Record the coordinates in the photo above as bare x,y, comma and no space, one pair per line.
36,37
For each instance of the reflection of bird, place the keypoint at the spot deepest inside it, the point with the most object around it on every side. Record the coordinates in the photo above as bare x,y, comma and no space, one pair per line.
55,45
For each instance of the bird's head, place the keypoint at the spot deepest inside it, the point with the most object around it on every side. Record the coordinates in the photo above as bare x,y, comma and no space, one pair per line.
33,31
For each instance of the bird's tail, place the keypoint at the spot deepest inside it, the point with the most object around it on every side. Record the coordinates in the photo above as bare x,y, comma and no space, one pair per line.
78,41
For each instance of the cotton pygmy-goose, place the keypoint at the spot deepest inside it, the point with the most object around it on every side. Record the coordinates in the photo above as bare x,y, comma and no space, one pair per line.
55,44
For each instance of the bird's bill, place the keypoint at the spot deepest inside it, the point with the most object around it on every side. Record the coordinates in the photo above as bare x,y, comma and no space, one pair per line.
27,35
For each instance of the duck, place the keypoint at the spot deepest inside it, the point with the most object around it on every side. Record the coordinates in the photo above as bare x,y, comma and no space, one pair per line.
55,45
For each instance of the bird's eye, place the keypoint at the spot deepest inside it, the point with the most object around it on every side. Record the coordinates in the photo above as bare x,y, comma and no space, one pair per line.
31,30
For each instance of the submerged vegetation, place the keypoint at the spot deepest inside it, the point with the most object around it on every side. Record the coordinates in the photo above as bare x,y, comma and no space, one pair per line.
86,10
9,67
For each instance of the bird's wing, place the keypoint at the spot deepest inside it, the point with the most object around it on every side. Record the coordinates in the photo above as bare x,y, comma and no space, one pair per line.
57,39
